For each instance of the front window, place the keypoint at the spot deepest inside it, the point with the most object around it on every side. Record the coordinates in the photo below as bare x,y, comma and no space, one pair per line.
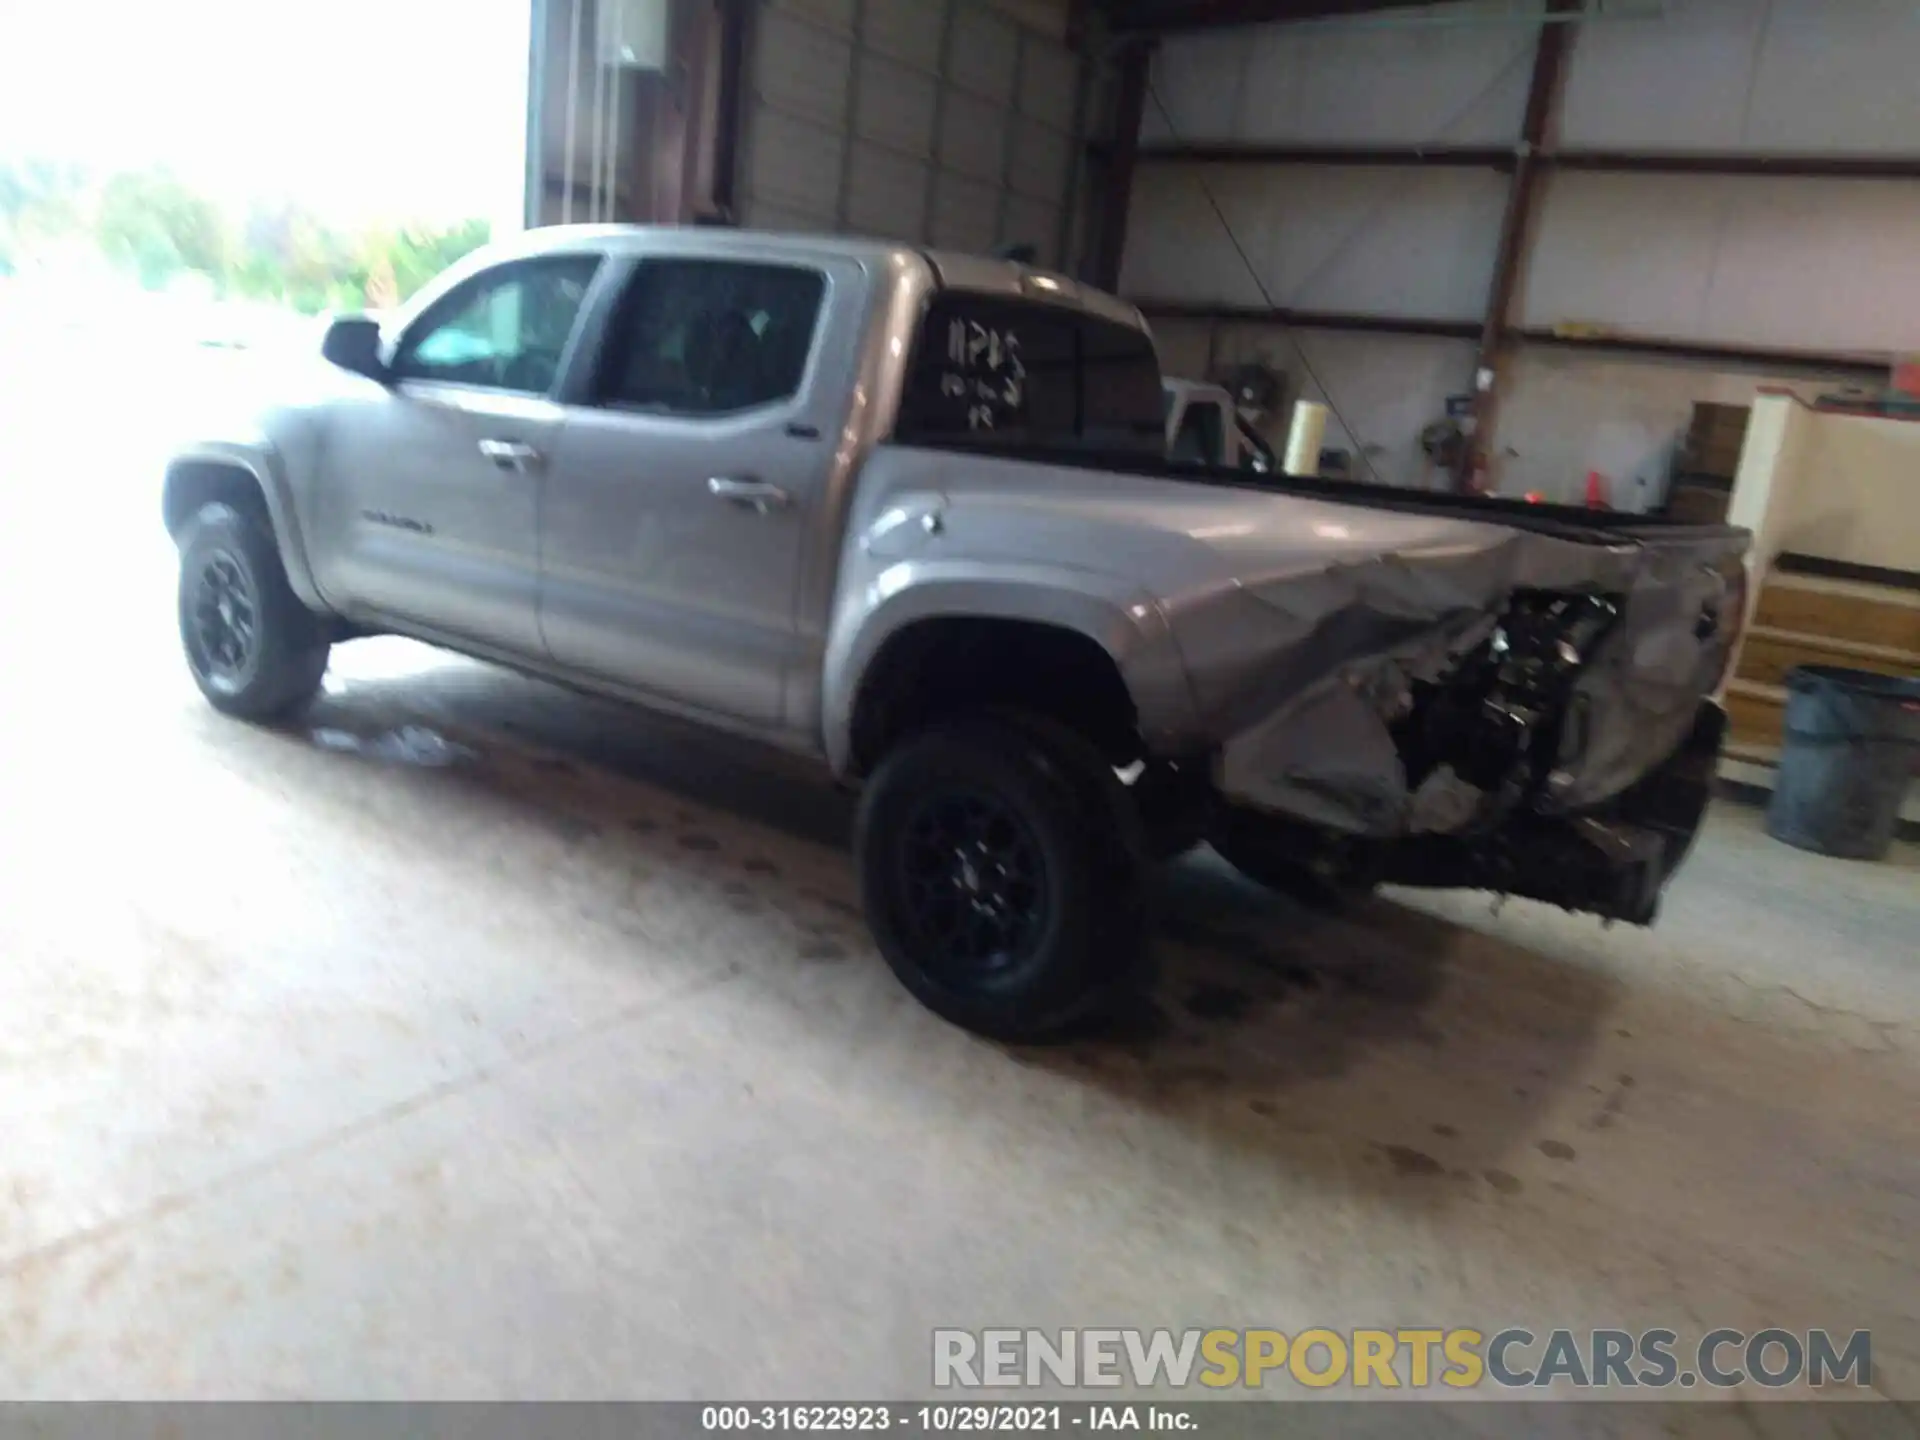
505,329
1023,374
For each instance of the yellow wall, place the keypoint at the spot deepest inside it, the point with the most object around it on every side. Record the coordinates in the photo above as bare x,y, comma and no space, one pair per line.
1858,498
1841,487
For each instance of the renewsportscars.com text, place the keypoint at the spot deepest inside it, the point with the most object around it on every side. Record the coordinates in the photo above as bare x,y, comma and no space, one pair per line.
1418,1359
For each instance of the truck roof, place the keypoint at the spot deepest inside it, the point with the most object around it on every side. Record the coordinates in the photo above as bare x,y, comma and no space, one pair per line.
954,270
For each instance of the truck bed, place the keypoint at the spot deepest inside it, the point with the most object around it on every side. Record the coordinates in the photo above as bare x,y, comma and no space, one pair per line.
1564,521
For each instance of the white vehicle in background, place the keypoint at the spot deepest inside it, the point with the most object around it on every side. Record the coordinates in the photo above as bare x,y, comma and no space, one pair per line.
1204,427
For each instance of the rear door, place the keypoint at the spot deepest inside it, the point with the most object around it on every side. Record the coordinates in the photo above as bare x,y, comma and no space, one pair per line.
430,503
693,472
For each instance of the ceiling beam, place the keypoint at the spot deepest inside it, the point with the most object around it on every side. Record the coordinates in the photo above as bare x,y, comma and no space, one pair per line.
1238,152
1167,16
1725,354
1828,167
1214,311
1765,358
1495,157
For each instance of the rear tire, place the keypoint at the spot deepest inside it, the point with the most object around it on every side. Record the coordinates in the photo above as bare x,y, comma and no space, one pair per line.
254,650
1002,874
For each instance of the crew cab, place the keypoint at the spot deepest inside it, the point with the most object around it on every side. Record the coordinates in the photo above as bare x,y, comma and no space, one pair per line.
910,514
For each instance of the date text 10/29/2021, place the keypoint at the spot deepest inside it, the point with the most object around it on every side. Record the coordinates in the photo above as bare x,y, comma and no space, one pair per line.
945,1419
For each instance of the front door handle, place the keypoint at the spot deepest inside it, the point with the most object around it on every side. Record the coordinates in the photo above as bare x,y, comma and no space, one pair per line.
511,455
755,495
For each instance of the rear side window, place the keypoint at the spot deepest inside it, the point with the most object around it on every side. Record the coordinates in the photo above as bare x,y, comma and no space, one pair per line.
1019,374
711,337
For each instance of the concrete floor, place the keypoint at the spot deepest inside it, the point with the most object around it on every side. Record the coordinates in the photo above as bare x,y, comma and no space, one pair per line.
476,1040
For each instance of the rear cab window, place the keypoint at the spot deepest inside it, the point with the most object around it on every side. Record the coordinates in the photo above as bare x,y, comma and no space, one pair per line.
1018,374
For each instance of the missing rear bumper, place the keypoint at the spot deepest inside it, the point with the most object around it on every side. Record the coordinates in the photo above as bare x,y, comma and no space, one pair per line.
1615,861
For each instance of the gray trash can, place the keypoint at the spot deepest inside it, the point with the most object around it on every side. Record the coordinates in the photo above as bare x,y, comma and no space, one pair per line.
1852,745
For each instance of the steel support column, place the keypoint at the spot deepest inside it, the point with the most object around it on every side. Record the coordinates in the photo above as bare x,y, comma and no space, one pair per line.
1135,61
730,106
1543,93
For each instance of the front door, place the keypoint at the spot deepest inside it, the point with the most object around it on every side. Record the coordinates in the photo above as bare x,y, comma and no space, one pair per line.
431,492
691,477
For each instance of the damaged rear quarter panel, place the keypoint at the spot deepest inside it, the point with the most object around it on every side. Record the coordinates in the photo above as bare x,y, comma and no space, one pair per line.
1305,716
1280,632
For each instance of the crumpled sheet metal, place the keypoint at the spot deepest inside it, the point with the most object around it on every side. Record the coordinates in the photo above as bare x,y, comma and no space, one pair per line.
1299,676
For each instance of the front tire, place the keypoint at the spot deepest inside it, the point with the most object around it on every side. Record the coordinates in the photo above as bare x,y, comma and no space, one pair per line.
254,650
1002,875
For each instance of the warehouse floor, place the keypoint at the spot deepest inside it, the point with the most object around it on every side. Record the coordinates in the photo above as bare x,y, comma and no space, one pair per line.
472,1039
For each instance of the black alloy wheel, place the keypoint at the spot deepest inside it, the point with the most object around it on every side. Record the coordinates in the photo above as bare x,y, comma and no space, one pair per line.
1002,868
253,649
975,885
226,621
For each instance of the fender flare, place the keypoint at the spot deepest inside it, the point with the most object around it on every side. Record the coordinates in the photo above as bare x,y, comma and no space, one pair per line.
264,467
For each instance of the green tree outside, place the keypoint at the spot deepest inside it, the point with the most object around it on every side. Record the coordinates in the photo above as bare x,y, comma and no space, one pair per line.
157,228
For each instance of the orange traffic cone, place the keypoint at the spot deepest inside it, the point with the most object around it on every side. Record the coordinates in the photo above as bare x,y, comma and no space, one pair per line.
1597,491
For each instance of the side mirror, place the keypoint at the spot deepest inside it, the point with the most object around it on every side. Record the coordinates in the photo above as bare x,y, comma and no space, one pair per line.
353,343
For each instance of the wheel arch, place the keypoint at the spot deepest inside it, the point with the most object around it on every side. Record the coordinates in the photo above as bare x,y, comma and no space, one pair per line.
1104,665
250,484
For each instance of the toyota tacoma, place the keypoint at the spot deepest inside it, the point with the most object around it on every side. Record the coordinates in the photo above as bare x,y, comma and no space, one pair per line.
911,514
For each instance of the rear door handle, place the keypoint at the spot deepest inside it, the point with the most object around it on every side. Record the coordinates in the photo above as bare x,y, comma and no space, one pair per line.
511,454
756,495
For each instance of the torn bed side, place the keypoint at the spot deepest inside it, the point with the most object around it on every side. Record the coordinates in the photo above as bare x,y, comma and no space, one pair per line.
1441,690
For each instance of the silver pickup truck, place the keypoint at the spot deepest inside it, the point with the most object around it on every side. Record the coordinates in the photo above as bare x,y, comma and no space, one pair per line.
911,514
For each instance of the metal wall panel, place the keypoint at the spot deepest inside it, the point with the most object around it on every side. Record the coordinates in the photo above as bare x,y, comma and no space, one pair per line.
885,190
964,122
965,214
795,165
1768,76
1022,215
1738,261
906,30
1039,157
801,69
984,58
828,14
898,106
1048,80
1381,241
1791,263
973,136
1416,242
1341,83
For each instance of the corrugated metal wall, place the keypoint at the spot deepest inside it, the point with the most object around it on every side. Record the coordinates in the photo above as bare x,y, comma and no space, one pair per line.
1816,264
941,121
